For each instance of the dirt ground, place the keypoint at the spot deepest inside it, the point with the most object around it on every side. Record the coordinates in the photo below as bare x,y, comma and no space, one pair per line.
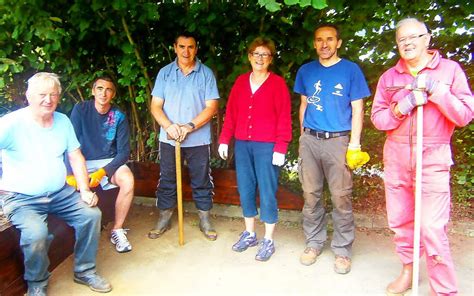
201,267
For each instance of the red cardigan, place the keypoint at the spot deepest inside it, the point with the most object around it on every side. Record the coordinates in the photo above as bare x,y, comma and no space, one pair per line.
264,116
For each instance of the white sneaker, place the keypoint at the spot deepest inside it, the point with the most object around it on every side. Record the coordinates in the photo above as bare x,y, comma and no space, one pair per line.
119,239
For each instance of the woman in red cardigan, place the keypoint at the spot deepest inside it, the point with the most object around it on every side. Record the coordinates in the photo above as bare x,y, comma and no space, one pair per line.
258,116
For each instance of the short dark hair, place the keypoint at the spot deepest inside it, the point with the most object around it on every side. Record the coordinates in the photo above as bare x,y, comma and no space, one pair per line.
185,34
329,25
106,78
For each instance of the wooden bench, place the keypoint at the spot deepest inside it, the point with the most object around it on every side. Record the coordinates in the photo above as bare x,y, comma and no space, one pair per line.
146,179
225,186
11,257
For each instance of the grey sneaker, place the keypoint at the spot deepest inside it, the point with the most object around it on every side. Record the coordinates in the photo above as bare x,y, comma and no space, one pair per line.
119,239
36,291
265,250
93,281
246,240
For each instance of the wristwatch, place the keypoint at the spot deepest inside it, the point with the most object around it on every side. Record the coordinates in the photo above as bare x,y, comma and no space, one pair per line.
191,125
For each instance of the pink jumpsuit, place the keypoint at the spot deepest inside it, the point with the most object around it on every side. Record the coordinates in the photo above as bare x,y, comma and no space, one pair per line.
450,105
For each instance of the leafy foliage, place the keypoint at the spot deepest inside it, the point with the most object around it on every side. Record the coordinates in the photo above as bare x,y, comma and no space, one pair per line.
132,40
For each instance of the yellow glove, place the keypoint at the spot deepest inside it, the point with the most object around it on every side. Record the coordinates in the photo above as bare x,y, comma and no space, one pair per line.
355,157
96,177
71,181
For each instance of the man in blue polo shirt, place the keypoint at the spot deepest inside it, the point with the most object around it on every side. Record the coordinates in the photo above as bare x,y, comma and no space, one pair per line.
331,116
185,97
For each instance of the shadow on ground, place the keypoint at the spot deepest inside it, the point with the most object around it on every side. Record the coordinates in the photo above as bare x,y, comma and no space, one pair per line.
201,267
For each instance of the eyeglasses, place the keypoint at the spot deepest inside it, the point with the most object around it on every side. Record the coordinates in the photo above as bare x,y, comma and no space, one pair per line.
262,55
409,39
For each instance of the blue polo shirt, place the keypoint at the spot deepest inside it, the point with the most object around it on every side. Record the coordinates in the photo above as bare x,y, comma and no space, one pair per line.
185,97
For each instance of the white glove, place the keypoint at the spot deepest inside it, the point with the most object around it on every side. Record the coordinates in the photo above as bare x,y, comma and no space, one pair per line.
278,159
223,149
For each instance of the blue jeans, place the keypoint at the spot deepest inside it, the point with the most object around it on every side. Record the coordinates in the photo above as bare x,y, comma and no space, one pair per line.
253,163
28,214
197,159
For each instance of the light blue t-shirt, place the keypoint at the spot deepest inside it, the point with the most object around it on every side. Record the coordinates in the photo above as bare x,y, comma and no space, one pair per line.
329,92
33,156
185,97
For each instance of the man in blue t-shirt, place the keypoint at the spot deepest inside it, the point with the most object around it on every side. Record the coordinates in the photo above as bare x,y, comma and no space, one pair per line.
185,98
103,131
331,117
34,142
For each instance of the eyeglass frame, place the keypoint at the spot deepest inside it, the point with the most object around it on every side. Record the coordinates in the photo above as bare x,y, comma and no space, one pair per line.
262,55
411,38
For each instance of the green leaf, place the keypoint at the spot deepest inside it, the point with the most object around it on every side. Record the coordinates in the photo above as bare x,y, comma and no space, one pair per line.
140,99
461,180
55,19
291,2
84,24
3,68
286,20
319,4
56,45
119,4
151,141
7,61
273,6
304,3
270,5
127,48
211,17
15,33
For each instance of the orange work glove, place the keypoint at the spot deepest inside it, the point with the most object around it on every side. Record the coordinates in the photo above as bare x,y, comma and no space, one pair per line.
71,181
96,177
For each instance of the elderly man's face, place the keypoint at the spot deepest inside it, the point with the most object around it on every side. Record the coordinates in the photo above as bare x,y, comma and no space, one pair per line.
43,98
412,40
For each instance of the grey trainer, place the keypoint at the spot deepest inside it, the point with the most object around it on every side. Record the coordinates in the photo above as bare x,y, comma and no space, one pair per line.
93,281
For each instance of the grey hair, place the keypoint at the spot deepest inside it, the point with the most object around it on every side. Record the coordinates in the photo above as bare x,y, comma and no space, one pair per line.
410,20
44,76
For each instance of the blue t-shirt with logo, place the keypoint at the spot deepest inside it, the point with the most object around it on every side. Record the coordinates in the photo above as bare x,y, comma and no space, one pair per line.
102,136
330,91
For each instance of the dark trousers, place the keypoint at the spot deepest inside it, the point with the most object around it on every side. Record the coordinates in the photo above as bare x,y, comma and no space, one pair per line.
197,159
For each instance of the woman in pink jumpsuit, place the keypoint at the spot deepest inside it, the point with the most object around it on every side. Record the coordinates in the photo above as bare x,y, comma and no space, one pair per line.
448,102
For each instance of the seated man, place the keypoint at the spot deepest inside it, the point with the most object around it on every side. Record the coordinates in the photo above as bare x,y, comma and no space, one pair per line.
102,130
34,141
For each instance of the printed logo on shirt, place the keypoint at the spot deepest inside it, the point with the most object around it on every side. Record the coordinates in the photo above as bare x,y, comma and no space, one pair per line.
337,90
110,125
314,99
